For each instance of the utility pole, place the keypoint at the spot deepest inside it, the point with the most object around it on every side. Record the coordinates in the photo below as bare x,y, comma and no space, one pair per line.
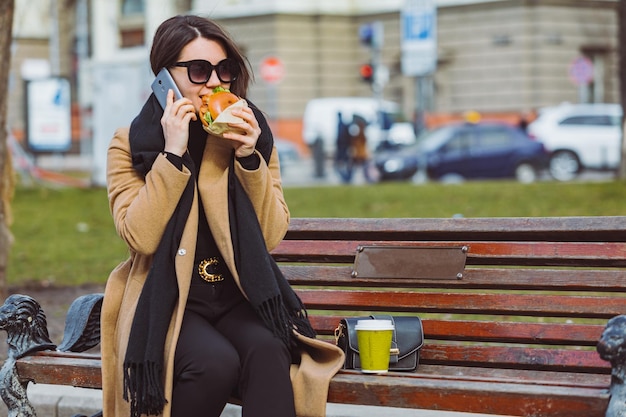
375,72
6,169
55,50
621,21
82,55
419,52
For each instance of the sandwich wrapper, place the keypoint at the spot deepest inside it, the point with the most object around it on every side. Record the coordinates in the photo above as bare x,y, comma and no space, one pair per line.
221,123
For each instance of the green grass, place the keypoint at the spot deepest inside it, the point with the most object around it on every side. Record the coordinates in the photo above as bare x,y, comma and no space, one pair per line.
66,236
62,236
472,199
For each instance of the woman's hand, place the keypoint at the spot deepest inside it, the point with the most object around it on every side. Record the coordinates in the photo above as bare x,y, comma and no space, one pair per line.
244,143
175,121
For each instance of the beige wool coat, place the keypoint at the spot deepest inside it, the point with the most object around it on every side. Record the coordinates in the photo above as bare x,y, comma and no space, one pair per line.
141,208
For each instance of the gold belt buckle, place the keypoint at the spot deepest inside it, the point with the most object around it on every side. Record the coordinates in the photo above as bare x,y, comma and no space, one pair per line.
205,274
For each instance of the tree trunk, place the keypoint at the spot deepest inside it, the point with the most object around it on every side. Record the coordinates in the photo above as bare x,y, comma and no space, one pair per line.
6,168
621,19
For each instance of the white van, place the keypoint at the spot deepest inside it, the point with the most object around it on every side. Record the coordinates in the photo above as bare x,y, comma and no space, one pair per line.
321,119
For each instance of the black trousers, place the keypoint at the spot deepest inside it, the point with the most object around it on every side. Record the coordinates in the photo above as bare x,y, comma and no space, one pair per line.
225,350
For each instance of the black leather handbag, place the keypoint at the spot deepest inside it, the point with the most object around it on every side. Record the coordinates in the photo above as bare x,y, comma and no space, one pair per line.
408,338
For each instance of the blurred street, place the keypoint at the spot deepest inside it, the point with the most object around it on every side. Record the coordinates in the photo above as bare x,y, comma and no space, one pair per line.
301,173
295,173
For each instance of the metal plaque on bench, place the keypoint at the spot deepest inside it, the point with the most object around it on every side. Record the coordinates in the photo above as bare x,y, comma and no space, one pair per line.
410,262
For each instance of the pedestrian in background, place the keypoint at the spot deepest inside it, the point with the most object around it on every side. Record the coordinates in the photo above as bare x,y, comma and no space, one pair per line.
343,158
359,152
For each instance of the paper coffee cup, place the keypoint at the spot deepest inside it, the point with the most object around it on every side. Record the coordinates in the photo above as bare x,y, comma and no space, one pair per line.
374,338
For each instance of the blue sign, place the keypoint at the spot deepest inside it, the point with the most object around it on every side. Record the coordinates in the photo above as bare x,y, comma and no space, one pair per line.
418,26
419,37
371,34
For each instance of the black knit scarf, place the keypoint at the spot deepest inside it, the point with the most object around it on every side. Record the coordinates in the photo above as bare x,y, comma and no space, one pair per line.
262,281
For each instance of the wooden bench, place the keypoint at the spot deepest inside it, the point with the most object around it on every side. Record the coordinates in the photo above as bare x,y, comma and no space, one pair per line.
514,333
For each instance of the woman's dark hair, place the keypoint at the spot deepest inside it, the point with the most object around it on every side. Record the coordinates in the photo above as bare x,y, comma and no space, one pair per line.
176,32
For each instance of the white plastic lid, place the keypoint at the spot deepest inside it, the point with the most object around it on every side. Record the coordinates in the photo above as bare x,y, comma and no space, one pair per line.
374,325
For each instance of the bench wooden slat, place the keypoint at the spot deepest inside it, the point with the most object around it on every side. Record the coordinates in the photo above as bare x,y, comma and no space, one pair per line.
473,278
491,331
71,370
513,332
548,253
509,357
565,229
459,395
87,366
506,375
463,303
480,253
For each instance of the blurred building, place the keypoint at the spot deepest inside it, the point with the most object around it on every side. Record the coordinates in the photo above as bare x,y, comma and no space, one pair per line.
501,58
43,35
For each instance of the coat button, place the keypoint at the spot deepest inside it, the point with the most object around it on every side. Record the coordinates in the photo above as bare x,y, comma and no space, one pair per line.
182,252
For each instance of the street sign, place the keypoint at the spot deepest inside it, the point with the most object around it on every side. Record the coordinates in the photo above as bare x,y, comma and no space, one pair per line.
48,124
419,37
372,34
581,71
272,70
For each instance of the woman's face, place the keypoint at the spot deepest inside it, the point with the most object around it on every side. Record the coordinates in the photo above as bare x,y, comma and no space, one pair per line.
199,48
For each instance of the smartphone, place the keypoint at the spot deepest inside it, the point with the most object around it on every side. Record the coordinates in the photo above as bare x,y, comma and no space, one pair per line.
162,84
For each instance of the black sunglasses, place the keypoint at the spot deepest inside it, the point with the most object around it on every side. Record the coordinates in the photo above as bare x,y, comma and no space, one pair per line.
199,71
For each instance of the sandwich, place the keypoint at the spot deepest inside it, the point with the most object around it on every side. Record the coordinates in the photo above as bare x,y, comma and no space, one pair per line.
216,111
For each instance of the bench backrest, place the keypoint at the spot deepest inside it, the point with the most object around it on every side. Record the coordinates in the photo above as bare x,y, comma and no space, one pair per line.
535,293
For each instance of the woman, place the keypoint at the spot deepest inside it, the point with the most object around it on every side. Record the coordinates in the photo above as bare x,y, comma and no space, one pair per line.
200,312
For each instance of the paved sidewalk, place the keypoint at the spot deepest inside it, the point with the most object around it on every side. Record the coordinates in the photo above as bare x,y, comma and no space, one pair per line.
64,401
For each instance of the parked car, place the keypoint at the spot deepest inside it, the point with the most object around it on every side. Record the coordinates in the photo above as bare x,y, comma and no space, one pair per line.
466,151
579,136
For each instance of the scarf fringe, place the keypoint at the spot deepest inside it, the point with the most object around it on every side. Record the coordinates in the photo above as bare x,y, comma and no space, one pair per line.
302,324
143,385
277,318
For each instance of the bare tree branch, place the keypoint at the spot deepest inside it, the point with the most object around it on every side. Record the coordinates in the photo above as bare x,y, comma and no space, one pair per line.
621,21
6,170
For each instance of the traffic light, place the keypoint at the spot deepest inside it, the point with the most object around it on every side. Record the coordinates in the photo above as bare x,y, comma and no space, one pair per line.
371,35
367,73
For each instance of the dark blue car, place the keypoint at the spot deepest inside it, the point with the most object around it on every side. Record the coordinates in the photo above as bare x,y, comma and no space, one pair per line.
466,151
